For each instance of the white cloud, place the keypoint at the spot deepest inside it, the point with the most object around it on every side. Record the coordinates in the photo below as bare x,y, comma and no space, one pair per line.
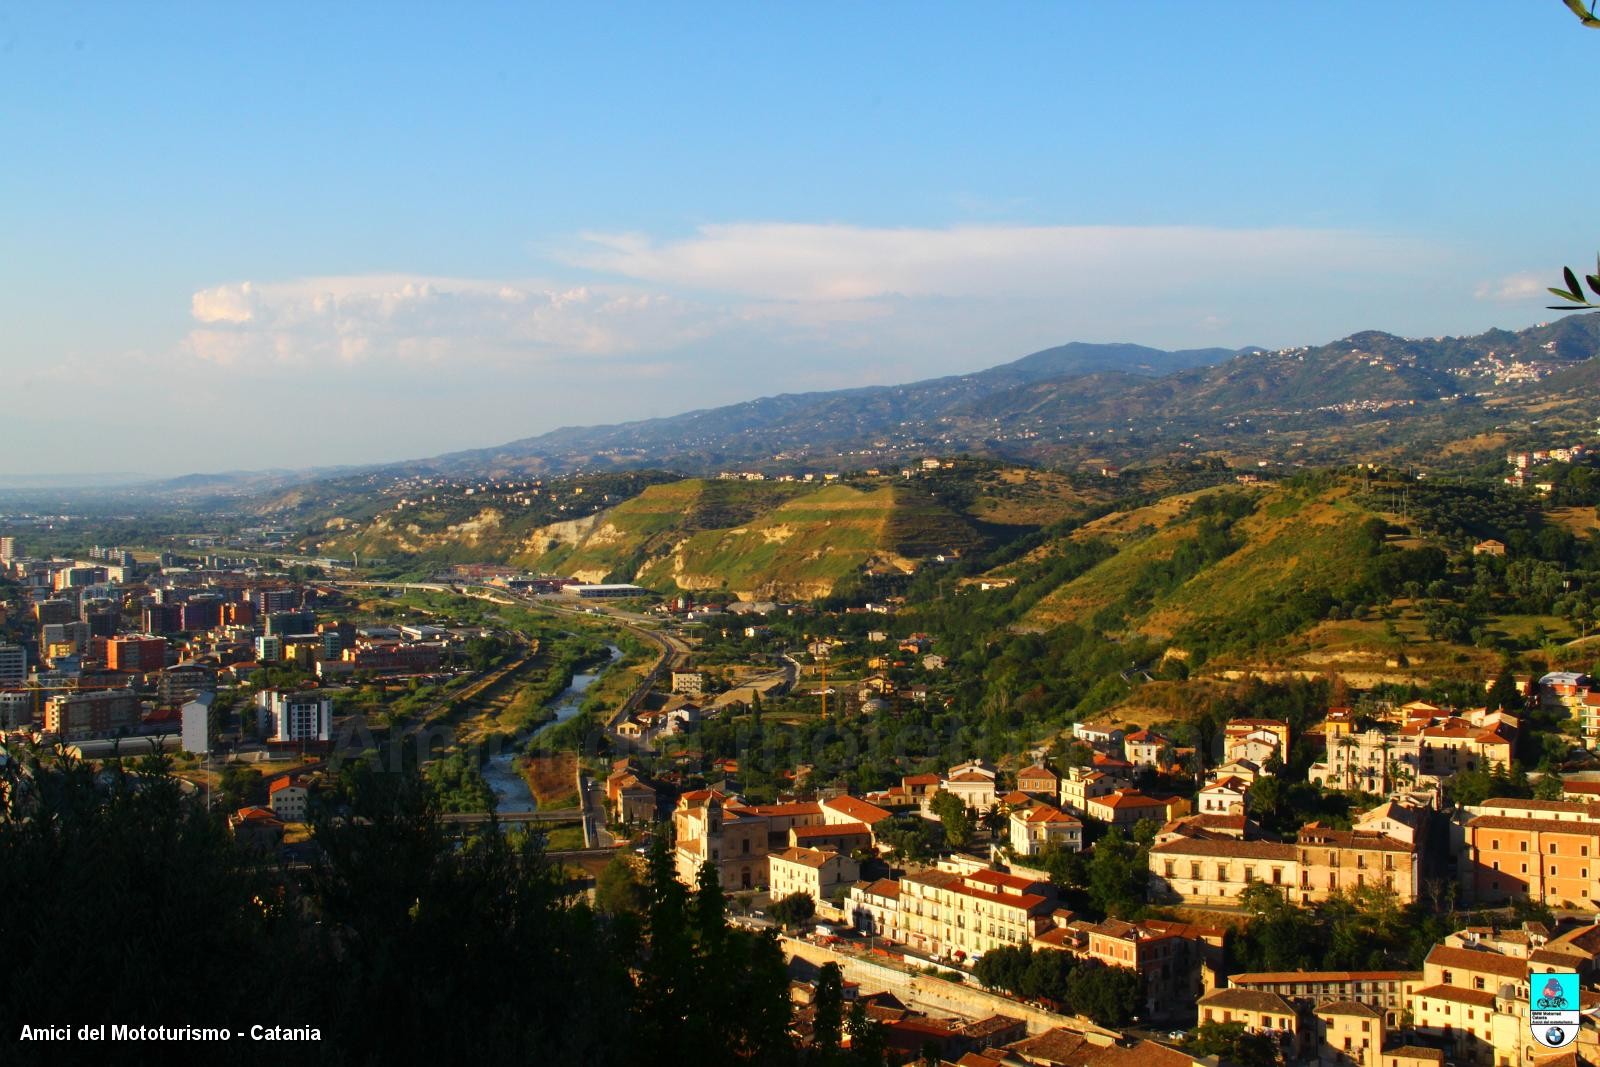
411,319
1512,289
803,262
755,308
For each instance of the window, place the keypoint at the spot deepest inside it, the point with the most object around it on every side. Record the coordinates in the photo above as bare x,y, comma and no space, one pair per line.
1522,846
1249,874
1171,867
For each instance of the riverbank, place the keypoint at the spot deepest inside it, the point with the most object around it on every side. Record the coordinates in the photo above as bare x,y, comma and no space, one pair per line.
507,772
550,779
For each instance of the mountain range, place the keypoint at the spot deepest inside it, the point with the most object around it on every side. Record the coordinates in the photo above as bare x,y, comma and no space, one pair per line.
1369,395
1113,400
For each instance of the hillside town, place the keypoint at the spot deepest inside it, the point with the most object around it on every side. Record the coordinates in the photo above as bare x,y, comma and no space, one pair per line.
1208,863
1138,857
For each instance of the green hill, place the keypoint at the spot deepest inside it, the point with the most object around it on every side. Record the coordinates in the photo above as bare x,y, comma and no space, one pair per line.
1243,573
759,539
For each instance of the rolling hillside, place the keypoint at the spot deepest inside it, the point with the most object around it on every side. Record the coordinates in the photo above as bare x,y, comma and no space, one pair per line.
1236,574
756,539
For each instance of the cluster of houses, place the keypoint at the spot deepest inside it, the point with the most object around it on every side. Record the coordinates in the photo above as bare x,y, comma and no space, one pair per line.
1422,747
261,827
1468,1004
1523,464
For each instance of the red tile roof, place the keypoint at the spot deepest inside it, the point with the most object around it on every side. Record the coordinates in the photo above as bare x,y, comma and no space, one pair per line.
858,810
1468,959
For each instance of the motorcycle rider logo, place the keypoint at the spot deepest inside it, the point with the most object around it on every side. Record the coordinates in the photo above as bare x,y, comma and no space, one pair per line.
1553,1008
1552,997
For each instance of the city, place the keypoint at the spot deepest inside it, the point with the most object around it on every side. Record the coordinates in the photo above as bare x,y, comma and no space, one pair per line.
1026,535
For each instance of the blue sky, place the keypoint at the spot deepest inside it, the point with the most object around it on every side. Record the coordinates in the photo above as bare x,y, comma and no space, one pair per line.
300,234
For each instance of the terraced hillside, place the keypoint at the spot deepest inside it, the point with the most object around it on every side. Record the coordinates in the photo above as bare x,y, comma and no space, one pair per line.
1228,570
757,539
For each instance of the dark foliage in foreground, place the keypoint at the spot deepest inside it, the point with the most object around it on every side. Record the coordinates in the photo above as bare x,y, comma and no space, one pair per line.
127,902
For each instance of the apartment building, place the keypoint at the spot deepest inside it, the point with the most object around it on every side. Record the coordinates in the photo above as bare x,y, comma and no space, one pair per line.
13,665
1081,785
1349,1034
1371,762
1387,992
1542,850
1225,796
1218,870
79,716
1335,860
136,654
1040,781
1126,808
848,809
1451,744
1257,740
846,837
874,908
289,799
820,874
290,717
961,915
1143,748
1262,1013
974,782
1171,958
1474,1002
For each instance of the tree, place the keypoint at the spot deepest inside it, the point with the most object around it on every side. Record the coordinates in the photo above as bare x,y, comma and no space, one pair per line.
995,820
1118,873
953,816
792,910
617,890
868,1043
828,1020
1108,995
1504,694
1231,1042
1549,787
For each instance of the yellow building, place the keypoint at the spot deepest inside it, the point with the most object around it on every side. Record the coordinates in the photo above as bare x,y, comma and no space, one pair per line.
709,829
1349,1034
1263,1013
1217,871
1035,829
1389,992
943,913
820,874
1334,860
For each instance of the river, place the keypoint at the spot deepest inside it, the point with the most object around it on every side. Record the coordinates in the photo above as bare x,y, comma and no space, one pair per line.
511,790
